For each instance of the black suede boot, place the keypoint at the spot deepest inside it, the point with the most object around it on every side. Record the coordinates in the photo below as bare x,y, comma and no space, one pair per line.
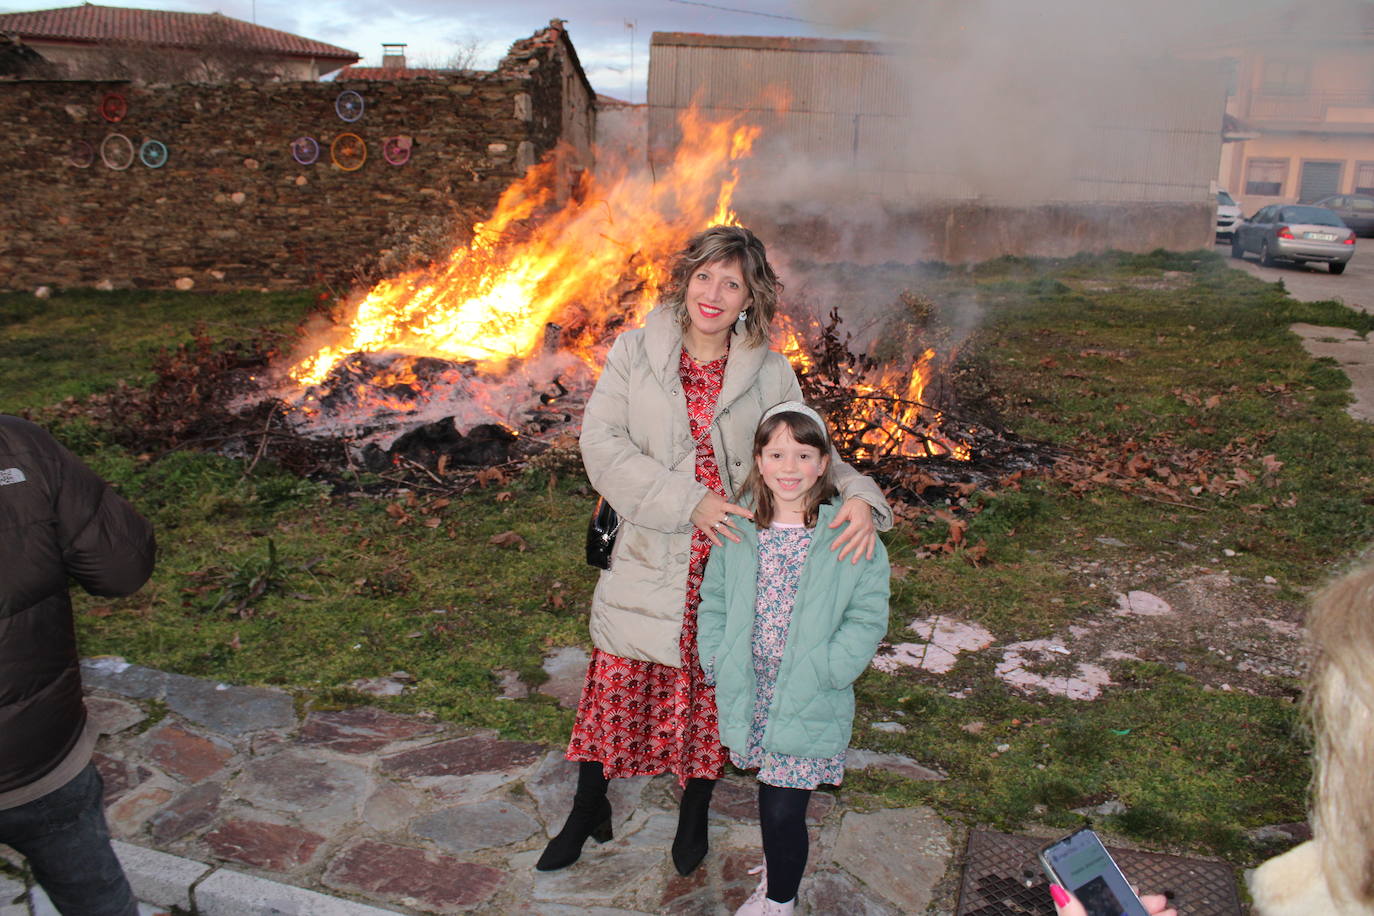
590,817
690,844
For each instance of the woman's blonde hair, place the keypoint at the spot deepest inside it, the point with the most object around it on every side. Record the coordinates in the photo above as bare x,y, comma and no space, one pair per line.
1340,704
806,431
728,243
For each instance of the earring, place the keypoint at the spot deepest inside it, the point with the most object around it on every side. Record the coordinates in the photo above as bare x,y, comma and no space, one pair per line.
743,314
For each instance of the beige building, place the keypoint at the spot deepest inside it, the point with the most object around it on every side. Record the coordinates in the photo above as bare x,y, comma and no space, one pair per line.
950,156
1300,113
111,42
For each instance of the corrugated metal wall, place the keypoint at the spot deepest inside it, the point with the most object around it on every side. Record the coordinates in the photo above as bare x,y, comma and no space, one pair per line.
1149,134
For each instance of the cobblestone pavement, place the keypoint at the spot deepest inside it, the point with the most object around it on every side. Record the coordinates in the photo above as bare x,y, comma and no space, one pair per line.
234,801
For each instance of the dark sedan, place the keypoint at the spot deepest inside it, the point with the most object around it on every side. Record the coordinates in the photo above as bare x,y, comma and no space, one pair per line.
1291,232
1355,210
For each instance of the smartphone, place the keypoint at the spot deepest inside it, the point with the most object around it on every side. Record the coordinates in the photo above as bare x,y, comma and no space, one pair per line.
1081,864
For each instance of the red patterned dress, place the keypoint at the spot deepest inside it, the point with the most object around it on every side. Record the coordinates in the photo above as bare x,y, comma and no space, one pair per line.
640,718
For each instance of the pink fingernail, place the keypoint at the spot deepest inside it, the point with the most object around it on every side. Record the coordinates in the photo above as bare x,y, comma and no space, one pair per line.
1061,896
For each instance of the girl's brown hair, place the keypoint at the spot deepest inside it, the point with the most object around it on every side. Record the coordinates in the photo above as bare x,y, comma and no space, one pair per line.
728,243
805,431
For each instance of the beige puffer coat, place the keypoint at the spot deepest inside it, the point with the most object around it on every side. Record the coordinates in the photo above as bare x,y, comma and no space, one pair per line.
638,450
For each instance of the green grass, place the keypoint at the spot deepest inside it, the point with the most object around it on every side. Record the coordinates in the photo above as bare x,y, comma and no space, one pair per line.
266,578
82,342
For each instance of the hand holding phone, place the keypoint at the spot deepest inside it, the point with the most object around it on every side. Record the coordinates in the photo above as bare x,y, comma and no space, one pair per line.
1080,863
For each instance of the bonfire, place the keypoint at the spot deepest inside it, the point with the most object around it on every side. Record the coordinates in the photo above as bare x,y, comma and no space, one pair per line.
507,334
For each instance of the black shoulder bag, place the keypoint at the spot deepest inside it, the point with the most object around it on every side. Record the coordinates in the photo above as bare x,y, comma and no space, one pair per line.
601,532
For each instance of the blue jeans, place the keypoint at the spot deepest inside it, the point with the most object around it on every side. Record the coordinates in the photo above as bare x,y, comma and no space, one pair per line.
67,842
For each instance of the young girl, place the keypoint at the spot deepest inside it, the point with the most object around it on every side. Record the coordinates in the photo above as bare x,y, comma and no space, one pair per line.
784,631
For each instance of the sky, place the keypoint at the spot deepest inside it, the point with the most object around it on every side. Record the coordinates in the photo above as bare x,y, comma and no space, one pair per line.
614,56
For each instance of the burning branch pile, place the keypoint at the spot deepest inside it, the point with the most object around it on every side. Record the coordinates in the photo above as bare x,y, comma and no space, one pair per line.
485,358
894,416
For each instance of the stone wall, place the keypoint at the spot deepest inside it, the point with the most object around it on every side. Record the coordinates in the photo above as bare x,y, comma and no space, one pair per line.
231,208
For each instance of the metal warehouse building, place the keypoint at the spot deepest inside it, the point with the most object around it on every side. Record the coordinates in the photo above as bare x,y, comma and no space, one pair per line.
1033,157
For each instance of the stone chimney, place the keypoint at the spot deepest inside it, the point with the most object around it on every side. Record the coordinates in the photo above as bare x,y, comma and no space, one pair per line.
394,56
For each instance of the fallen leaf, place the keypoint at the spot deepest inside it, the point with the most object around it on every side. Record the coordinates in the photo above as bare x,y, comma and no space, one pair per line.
976,555
489,475
441,503
900,572
103,610
1049,362
235,644
442,467
504,496
433,521
509,539
1213,402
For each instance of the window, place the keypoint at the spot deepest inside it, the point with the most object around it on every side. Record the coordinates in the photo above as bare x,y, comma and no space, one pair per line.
1364,178
1284,77
1264,177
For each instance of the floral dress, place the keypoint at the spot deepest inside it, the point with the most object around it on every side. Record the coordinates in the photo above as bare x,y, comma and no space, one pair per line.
641,718
782,553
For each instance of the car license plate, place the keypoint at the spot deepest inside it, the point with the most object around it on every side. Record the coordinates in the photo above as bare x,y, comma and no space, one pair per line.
1321,236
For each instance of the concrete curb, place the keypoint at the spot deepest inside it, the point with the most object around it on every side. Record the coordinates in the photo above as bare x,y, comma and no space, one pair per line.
172,881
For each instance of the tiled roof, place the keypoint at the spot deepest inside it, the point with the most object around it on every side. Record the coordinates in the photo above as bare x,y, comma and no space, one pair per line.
90,24
762,43
390,73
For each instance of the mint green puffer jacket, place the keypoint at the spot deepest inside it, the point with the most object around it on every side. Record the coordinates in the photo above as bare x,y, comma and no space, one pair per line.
839,616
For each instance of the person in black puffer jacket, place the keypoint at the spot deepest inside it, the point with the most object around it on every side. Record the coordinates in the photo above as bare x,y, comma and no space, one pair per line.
58,520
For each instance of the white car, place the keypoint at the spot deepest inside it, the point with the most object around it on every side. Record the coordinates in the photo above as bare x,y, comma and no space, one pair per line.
1228,214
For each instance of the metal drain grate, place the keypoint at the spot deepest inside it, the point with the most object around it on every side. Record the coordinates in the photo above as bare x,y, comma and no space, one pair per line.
998,865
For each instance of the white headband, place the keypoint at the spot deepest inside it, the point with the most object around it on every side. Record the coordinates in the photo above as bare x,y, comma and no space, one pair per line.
797,407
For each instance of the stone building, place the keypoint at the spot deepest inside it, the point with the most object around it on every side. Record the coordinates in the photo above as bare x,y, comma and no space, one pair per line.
111,42
270,184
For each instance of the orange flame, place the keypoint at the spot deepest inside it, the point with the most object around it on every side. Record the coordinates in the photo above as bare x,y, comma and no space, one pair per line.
490,302
889,415
535,264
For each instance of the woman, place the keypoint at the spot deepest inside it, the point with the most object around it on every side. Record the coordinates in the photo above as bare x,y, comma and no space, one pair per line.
667,433
1333,873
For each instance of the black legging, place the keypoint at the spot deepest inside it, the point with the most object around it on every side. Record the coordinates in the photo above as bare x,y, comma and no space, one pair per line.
782,817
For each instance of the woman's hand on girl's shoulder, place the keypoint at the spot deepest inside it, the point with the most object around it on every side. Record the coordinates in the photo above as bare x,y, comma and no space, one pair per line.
861,536
716,518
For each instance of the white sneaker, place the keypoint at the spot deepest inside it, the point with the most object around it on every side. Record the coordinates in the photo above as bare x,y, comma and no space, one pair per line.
758,903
